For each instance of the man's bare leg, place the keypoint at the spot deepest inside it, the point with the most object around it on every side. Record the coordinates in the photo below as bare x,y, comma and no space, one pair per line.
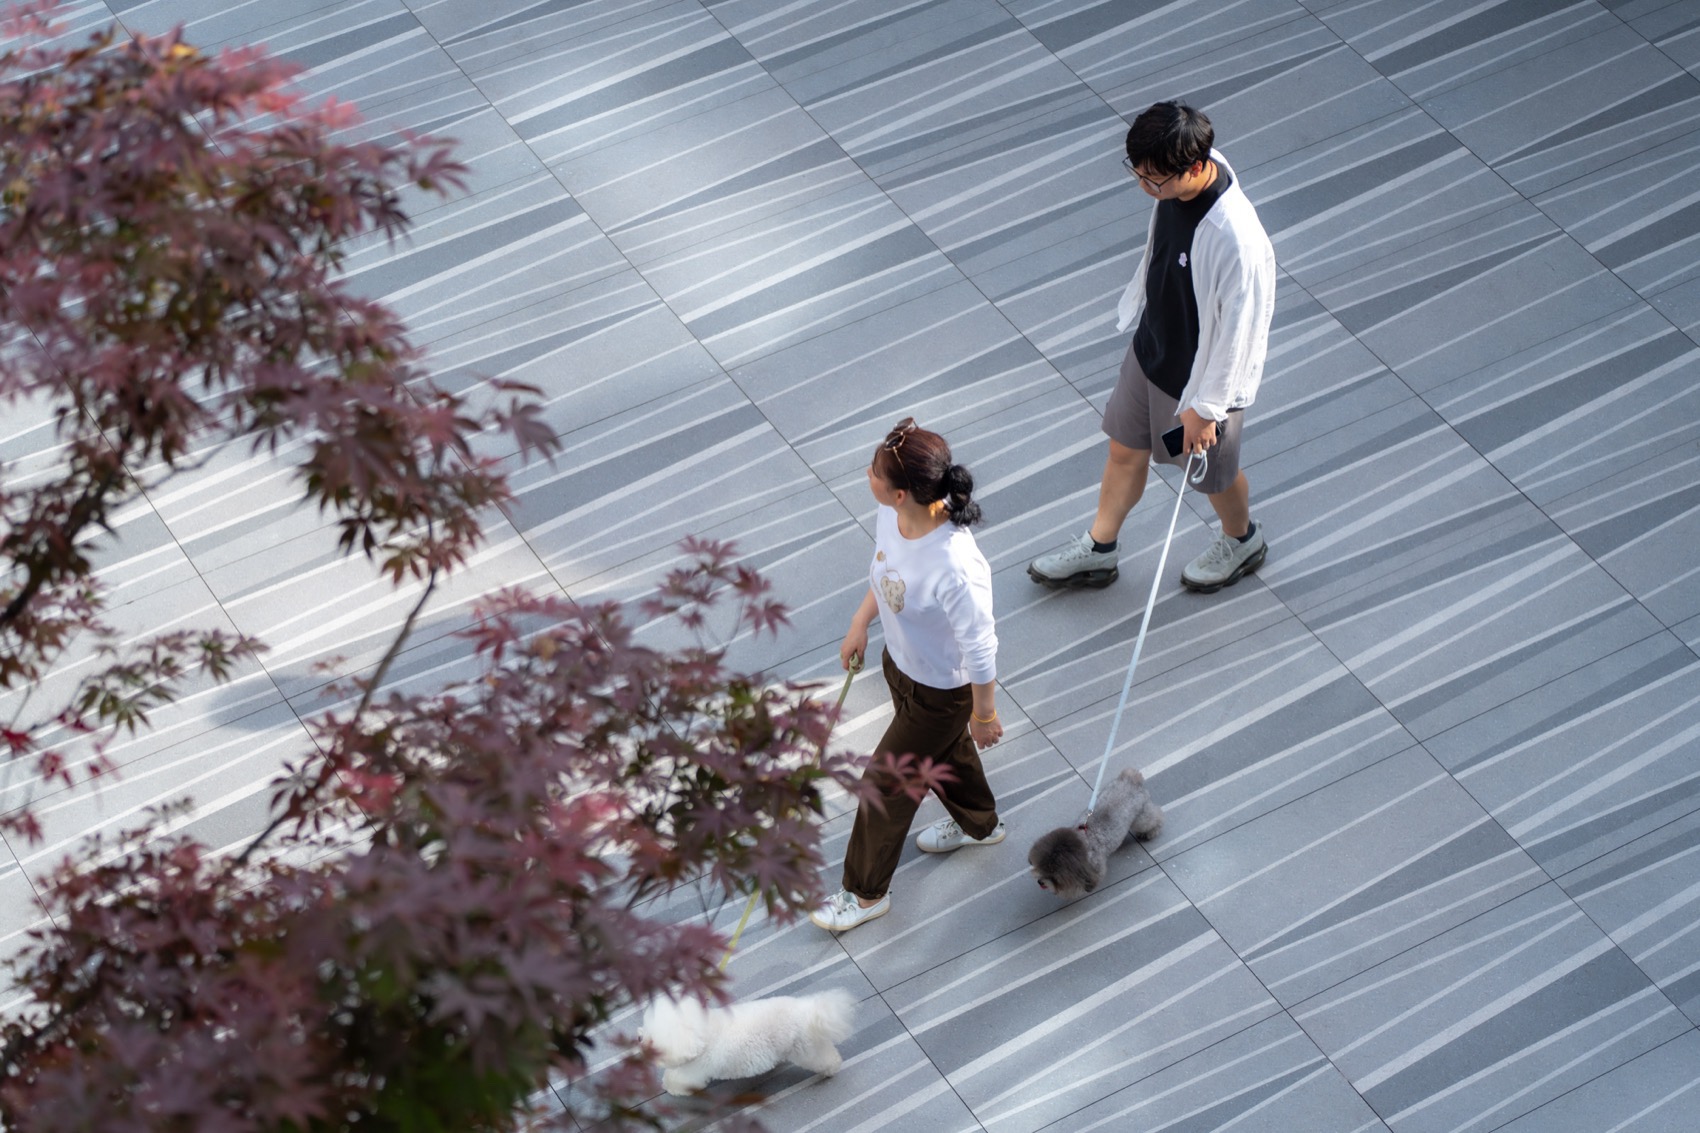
1233,507
1124,483
1079,562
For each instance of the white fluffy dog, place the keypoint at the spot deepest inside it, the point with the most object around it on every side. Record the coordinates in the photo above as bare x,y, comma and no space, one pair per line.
696,1044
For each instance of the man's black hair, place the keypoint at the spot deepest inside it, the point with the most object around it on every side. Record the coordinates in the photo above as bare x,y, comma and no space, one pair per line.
1169,137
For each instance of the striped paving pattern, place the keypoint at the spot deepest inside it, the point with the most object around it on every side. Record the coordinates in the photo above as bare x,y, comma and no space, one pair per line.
1432,776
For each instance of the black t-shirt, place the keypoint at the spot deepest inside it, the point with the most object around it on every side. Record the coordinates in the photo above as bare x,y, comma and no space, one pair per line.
1167,337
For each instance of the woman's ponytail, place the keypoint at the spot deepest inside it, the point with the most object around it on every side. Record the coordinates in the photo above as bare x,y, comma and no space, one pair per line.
959,496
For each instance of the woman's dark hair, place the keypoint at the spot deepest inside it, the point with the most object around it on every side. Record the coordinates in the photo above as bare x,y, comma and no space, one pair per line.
918,461
1170,137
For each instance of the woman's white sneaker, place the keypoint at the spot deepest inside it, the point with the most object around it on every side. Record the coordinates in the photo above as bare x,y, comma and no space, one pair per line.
945,835
843,911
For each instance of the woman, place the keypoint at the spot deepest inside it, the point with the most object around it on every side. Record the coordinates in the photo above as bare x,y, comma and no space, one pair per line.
932,590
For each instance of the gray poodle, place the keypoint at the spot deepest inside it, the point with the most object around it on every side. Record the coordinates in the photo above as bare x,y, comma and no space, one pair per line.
1070,861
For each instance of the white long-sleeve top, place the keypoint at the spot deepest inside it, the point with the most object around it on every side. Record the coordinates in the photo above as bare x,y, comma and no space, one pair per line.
1233,279
935,604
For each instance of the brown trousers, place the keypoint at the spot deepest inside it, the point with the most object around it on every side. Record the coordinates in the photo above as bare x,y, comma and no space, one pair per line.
930,722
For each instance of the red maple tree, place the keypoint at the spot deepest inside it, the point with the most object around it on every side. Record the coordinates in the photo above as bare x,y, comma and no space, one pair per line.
450,900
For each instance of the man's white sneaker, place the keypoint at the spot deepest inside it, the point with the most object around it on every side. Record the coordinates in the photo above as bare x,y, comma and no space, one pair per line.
945,835
1075,565
1225,563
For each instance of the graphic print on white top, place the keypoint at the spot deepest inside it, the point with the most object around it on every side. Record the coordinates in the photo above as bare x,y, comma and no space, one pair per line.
891,585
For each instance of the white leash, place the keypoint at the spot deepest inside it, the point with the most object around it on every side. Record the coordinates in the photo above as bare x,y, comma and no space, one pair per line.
1145,623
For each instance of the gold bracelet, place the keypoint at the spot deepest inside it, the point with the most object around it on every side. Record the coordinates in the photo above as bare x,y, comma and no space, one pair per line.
987,720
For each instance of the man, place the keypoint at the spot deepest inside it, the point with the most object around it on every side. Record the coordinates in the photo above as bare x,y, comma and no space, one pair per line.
1201,303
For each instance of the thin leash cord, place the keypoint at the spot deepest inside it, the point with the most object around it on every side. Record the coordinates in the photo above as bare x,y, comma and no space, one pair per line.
1145,623
843,693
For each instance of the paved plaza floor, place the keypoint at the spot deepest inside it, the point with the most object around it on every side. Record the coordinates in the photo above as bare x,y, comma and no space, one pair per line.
1432,775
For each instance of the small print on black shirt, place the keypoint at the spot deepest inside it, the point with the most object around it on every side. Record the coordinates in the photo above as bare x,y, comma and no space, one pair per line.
1167,337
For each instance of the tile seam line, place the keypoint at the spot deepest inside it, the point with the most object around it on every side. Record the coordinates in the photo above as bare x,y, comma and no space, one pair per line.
1444,88
874,183
1609,1070
880,994
719,367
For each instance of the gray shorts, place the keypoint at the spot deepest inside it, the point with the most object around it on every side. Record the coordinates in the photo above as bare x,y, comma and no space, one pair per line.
1139,413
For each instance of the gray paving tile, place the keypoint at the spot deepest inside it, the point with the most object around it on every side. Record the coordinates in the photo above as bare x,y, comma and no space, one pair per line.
904,83
1066,652
473,30
1490,1020
233,503
1681,305
1640,217
314,607
369,52
201,713
1650,1094
1673,27
1268,1078
647,477
736,164
29,445
806,544
1435,47
1367,867
946,358
1047,1019
1023,188
1318,381
1618,96
424,667
1110,44
1589,762
20,911
207,22
156,591
590,353
1236,733
490,254
1476,294
1644,896
1269,94
1641,524
1063,299
228,777
1552,418
1392,571
805,271
1689,632
373,54
1368,193
606,74
455,110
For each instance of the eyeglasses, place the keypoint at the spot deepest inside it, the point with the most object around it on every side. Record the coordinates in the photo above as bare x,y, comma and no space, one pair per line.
899,433
1154,185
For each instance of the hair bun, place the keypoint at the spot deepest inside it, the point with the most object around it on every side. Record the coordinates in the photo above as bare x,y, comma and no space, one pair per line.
959,493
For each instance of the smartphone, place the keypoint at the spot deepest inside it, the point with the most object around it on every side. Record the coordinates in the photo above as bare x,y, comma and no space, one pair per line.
1176,437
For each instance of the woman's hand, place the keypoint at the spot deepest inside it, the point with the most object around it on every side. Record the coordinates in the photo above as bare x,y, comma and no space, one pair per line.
854,646
986,733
